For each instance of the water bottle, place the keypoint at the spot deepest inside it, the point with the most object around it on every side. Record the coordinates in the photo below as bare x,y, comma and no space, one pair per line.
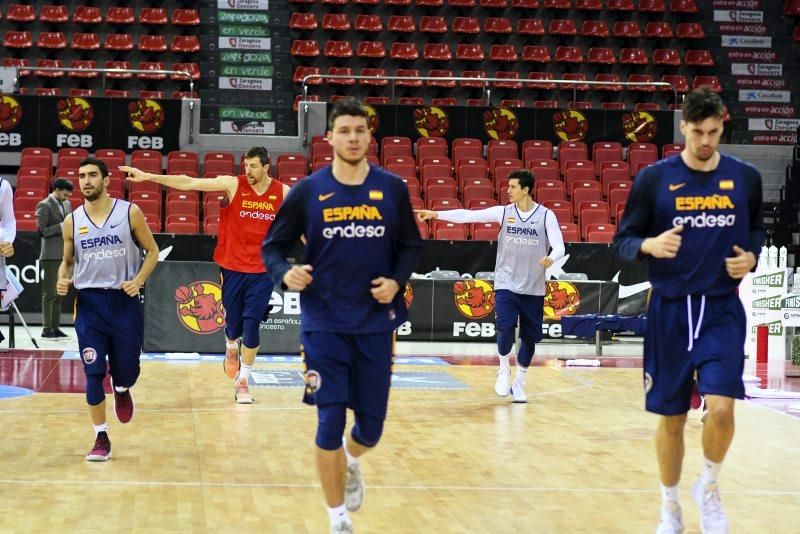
762,259
782,253
773,257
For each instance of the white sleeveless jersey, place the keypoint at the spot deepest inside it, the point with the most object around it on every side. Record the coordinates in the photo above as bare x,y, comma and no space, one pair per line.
521,243
107,255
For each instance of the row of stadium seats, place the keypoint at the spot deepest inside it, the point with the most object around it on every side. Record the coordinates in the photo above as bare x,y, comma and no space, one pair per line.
682,7
92,41
89,66
89,14
407,24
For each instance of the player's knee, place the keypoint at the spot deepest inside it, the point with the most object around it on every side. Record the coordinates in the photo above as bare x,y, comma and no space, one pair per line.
94,389
505,340
368,430
331,420
250,336
672,425
721,413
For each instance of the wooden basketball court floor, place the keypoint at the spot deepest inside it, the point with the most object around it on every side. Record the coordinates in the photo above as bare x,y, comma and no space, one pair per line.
579,457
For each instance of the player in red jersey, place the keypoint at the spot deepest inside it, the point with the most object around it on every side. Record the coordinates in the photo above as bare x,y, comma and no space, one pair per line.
247,213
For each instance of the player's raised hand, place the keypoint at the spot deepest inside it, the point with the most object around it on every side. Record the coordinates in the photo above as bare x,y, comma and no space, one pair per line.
426,215
131,287
384,289
134,174
664,245
62,286
298,277
740,264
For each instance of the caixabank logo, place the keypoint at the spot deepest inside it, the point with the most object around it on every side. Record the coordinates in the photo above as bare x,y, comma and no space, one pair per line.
474,299
74,113
200,307
431,121
561,299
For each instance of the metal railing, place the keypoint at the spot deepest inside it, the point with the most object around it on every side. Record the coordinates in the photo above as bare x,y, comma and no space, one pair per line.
105,72
487,92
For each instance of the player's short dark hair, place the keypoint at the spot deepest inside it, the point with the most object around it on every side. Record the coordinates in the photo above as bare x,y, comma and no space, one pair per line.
258,152
702,103
346,106
525,178
94,161
61,183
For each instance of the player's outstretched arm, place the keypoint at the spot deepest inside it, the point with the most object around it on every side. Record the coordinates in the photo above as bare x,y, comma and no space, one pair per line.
183,182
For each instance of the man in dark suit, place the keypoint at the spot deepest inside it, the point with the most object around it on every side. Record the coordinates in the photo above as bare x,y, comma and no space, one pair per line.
50,213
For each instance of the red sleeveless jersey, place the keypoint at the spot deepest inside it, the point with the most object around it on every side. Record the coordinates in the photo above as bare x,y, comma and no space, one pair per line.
243,223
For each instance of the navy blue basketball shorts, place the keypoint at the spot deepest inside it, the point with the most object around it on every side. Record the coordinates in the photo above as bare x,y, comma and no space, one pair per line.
109,323
244,295
351,369
715,350
510,306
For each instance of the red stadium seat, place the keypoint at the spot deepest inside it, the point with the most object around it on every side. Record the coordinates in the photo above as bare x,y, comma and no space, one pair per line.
86,15
54,14
51,41
120,15
154,16
119,42
88,68
185,44
152,43
16,39
368,23
21,13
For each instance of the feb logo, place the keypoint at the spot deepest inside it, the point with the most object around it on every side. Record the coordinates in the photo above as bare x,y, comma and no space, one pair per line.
74,113
200,307
500,123
373,121
10,112
146,115
639,126
431,121
570,125
408,295
474,298
562,298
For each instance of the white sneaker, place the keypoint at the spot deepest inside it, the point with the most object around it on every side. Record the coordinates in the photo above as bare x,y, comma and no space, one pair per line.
342,527
353,489
518,391
503,383
671,519
713,519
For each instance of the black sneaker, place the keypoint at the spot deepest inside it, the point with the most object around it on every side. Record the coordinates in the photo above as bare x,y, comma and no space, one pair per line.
58,333
48,334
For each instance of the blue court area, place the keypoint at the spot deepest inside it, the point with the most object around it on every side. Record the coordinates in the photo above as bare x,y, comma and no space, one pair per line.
13,392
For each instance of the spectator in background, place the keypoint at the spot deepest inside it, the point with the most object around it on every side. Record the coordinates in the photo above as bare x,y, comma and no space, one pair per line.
50,215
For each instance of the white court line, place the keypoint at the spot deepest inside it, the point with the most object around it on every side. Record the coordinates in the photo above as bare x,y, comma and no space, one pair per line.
411,487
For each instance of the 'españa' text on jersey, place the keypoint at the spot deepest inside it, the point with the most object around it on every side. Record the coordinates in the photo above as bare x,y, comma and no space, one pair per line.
717,209
354,234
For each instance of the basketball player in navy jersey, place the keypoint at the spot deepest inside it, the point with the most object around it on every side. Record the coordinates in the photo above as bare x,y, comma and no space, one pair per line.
103,244
696,218
529,241
362,245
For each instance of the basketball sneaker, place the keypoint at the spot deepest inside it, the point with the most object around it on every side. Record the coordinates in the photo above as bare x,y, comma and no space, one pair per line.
123,404
671,520
242,392
353,488
713,519
518,391
342,527
503,383
232,361
101,451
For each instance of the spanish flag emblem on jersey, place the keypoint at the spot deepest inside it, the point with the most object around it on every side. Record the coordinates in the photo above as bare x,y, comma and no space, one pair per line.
375,195
726,185
273,197
83,230
512,220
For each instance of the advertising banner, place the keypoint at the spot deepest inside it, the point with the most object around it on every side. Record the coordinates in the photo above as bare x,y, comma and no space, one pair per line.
752,55
757,69
243,17
766,110
255,5
184,312
487,123
728,15
761,294
746,41
245,43
764,96
773,125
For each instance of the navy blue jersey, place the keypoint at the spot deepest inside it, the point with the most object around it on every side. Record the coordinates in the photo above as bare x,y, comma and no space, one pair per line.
718,209
354,234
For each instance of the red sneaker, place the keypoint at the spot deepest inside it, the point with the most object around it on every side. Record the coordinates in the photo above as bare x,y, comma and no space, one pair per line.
123,404
101,451
697,399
